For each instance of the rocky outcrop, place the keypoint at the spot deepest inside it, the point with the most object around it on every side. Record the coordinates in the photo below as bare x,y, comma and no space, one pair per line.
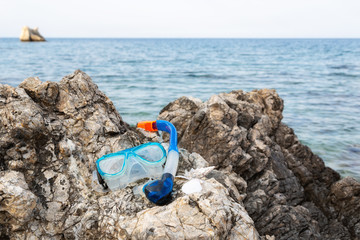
50,137
257,181
29,34
290,193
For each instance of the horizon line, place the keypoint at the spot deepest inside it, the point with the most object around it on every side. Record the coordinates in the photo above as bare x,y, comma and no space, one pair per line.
192,37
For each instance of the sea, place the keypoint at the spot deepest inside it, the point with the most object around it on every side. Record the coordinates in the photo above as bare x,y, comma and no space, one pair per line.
319,79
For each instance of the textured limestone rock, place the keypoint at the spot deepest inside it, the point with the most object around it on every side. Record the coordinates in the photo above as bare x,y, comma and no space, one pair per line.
29,34
50,137
345,203
17,201
289,191
209,214
257,179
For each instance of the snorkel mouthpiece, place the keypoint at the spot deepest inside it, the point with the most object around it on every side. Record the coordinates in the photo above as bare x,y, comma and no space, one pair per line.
159,191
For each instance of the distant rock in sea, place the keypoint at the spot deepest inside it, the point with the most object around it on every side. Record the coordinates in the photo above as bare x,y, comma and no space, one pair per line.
31,35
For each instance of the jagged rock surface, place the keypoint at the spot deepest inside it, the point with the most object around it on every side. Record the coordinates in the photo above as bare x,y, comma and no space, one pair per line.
263,180
50,137
290,193
29,35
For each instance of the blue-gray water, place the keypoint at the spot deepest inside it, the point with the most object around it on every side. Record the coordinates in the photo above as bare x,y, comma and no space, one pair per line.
319,79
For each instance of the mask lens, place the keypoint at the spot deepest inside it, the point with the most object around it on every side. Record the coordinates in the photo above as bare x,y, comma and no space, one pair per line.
112,165
151,153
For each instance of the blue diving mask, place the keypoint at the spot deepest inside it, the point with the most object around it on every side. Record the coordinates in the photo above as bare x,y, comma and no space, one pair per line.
118,169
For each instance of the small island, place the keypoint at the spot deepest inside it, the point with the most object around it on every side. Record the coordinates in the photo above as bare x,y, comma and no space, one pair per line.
31,35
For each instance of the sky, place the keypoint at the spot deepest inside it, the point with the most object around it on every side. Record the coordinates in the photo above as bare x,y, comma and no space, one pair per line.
183,18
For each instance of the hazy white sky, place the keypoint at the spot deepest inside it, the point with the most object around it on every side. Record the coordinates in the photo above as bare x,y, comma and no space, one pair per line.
182,18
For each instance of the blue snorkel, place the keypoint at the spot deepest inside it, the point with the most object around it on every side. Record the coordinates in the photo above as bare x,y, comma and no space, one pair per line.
159,191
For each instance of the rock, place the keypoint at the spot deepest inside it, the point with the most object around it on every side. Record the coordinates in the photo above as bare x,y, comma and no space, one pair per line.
51,134
209,214
29,34
345,203
289,192
17,201
257,180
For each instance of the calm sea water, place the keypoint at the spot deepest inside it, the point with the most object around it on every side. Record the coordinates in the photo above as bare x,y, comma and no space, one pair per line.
319,79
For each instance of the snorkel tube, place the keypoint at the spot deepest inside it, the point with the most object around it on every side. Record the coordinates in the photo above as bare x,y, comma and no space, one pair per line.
159,191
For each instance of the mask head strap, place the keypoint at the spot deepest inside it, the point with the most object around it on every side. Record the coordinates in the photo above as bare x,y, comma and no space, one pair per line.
101,180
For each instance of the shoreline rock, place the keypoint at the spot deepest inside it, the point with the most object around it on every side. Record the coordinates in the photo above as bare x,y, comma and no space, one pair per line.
262,183
31,35
290,192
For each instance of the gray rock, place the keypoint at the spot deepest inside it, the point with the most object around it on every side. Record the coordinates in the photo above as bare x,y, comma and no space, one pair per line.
344,201
209,214
290,193
51,134
17,201
258,181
